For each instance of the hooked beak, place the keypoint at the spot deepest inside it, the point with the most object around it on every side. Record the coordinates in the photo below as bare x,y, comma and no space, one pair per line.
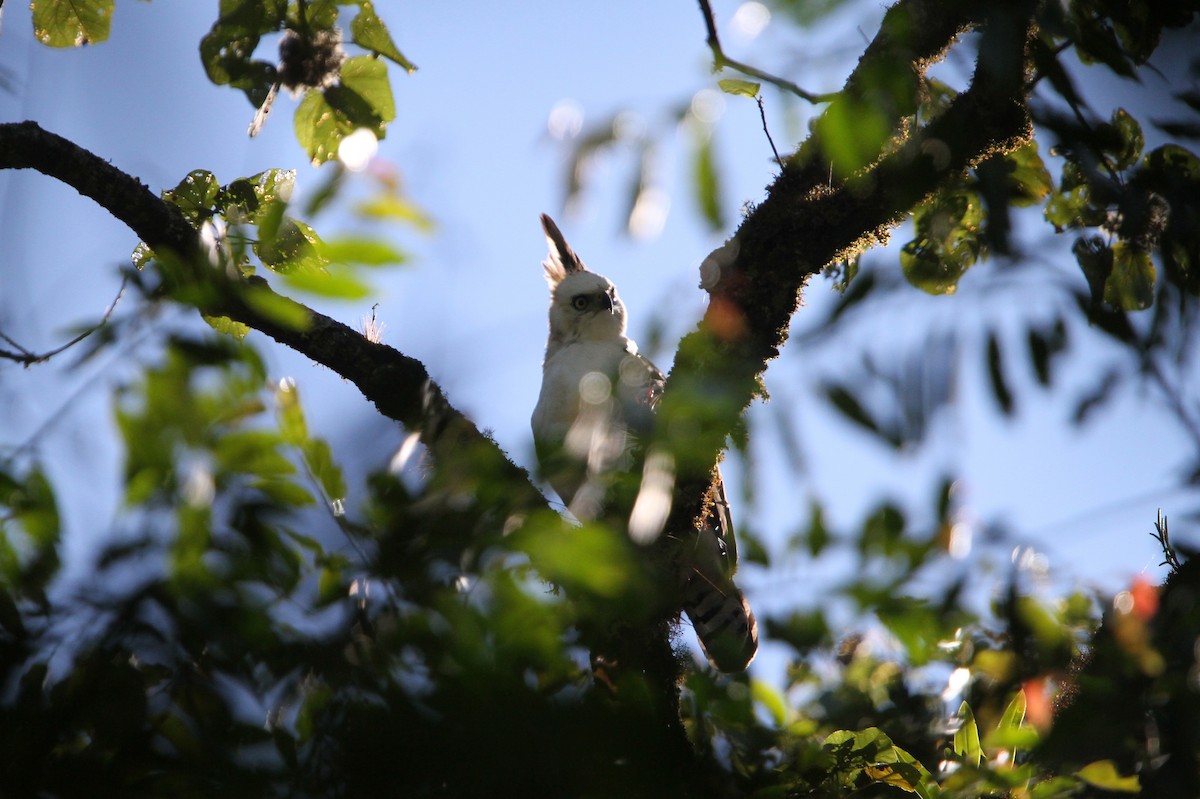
607,299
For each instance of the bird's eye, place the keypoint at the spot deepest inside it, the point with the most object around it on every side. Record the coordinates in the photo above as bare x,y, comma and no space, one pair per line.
579,303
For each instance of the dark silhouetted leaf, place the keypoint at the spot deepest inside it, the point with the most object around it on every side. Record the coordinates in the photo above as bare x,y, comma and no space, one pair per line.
1000,390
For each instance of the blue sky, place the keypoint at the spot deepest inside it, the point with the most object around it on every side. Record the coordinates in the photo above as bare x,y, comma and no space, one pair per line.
472,146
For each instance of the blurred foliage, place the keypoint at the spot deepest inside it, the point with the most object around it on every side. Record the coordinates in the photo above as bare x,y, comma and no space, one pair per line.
249,632
260,624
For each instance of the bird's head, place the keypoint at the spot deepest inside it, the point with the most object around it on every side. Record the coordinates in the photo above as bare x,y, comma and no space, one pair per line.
583,304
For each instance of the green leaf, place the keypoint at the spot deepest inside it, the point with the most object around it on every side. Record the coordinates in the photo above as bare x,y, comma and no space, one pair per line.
290,414
743,88
764,695
253,452
251,199
1130,287
916,625
852,133
362,250
1071,208
874,753
1014,714
195,195
334,282
1103,774
362,99
1130,139
590,559
708,184
966,737
227,49
71,23
319,459
1028,179
803,631
294,248
279,309
396,209
330,586
947,240
223,324
285,492
816,536
368,31
29,511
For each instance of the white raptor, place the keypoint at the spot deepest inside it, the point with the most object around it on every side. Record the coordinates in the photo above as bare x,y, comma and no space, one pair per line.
598,396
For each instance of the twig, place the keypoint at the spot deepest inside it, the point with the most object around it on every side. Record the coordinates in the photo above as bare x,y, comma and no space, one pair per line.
720,61
27,358
762,112
1163,537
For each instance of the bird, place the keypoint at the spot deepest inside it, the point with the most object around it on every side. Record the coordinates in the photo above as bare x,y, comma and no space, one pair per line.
597,401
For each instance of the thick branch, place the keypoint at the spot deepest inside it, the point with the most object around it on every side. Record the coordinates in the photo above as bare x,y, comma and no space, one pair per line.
805,225
399,386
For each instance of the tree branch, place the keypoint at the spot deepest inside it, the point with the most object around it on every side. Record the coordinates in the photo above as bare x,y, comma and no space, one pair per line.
399,386
720,61
805,224
28,358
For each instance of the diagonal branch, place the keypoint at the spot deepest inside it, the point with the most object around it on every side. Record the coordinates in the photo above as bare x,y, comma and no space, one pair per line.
804,224
720,61
399,386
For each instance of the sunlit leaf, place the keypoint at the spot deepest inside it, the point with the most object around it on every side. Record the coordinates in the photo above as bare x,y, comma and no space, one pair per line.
71,23
368,31
1014,713
223,324
335,282
767,697
1103,774
294,248
881,760
966,737
1028,179
248,199
361,250
743,88
195,195
361,99
397,209
1012,733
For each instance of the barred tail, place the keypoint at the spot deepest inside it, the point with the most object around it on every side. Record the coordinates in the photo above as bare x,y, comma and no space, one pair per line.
724,623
